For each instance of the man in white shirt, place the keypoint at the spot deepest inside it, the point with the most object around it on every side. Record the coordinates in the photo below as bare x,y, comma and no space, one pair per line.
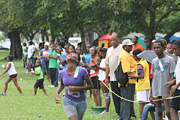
31,55
112,57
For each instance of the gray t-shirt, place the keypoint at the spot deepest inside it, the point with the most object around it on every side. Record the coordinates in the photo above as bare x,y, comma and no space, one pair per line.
161,77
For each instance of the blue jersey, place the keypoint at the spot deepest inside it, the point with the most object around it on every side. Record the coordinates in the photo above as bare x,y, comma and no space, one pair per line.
87,58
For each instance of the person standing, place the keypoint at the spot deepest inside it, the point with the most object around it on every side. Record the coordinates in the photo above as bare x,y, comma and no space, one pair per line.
25,53
31,55
163,67
128,64
136,44
45,61
53,66
112,56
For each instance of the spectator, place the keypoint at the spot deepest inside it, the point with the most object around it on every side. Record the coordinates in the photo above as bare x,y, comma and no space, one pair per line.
136,44
94,71
111,65
169,47
102,74
128,64
45,61
31,55
143,83
175,104
25,54
87,55
53,65
163,68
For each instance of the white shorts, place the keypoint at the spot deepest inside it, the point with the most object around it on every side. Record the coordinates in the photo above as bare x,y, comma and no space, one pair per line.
143,95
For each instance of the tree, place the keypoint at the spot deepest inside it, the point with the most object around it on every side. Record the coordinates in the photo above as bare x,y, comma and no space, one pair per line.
147,16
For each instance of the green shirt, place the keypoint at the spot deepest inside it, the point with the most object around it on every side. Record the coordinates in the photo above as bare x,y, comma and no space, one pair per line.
53,62
39,70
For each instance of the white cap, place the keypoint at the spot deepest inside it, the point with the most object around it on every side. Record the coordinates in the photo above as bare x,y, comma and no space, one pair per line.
46,43
127,42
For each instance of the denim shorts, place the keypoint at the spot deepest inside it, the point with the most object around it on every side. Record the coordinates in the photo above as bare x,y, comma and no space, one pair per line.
32,61
45,65
74,108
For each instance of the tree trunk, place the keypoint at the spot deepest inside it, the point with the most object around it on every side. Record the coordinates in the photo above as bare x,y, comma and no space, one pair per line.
89,34
83,39
16,48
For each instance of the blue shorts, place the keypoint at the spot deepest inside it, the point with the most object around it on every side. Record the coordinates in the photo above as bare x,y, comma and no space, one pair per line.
74,108
45,65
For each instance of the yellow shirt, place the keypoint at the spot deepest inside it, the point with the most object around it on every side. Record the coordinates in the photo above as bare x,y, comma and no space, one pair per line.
143,84
128,64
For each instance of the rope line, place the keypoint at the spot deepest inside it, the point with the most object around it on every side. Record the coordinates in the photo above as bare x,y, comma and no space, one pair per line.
136,101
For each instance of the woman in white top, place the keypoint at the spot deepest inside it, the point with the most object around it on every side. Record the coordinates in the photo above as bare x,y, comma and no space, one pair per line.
12,75
102,76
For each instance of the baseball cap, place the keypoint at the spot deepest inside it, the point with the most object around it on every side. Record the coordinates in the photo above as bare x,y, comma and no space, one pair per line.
127,42
46,43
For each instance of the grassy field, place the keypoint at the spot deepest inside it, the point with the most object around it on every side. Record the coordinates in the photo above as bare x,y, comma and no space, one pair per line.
29,107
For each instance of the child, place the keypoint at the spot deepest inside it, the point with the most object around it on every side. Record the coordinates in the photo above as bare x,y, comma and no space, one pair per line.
175,104
12,75
169,48
102,75
25,53
143,82
163,68
40,79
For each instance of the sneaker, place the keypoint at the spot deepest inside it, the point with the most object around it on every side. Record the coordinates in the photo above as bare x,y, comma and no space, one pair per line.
2,94
21,94
104,113
133,116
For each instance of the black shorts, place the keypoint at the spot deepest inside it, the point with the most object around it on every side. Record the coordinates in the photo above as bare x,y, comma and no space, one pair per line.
176,101
95,82
39,83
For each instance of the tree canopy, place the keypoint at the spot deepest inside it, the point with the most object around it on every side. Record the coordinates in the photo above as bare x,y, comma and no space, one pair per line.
66,17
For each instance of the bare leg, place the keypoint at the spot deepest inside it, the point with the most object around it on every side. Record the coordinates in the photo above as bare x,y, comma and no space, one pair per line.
6,84
108,100
152,115
159,109
90,93
17,85
141,106
35,91
25,61
44,90
48,76
74,117
174,115
43,74
97,97
167,108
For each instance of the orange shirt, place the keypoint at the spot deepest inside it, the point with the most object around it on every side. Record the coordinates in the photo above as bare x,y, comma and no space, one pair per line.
138,46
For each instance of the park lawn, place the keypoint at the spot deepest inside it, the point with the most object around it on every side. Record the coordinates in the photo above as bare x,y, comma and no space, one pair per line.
29,107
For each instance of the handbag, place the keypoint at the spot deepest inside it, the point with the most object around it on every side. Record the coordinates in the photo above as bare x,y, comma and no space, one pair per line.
121,77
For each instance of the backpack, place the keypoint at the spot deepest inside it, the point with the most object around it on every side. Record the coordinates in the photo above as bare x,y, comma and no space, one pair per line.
121,77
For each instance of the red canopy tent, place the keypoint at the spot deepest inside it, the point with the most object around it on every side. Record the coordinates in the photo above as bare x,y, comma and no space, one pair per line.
105,39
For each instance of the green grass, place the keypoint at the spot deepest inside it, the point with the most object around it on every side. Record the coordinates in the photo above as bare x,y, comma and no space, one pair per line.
41,107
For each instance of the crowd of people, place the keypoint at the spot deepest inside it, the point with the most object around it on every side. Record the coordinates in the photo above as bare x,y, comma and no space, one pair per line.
93,70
